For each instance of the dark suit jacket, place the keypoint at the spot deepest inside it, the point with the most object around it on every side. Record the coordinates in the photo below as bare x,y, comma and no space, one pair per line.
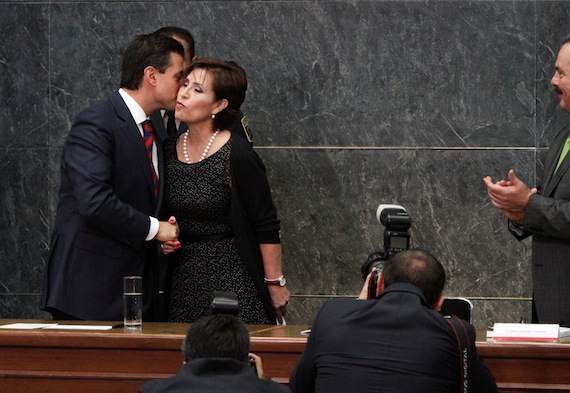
105,200
212,375
392,344
547,219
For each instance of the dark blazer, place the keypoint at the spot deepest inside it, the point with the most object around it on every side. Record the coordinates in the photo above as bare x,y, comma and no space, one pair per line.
105,200
212,375
392,344
547,219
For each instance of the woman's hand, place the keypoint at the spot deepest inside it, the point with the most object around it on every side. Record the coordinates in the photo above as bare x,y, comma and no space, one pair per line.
170,246
280,300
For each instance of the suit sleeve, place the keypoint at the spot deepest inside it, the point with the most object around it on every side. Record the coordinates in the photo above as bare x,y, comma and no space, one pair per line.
548,216
89,160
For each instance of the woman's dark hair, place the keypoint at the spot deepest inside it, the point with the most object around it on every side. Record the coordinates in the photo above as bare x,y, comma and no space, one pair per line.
147,50
229,82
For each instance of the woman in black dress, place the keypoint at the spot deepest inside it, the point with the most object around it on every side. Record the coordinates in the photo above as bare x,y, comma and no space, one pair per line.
217,189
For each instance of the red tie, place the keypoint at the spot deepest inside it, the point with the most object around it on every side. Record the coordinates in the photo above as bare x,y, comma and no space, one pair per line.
148,141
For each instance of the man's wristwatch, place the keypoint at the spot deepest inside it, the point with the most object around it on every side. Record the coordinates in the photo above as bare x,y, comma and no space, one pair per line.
281,281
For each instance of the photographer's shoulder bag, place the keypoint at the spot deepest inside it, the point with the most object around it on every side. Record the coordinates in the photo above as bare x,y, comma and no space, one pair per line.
462,336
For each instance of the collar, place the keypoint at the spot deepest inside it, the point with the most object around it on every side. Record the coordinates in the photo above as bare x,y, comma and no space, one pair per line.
404,287
217,366
136,111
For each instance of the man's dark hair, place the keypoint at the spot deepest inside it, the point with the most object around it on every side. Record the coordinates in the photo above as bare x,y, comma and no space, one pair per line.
217,336
416,267
171,31
144,51
229,82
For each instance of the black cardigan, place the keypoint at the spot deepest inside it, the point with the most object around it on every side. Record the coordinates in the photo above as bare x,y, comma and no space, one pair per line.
253,214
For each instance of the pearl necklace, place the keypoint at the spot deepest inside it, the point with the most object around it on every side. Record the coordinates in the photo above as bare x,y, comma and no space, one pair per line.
206,150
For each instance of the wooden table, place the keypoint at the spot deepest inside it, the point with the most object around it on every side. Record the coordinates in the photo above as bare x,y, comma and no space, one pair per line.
121,360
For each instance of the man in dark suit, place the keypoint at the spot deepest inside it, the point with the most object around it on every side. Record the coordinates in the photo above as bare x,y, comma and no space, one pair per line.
111,190
164,122
395,343
544,213
216,353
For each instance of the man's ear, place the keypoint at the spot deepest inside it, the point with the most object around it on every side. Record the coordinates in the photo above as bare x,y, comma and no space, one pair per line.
438,303
150,75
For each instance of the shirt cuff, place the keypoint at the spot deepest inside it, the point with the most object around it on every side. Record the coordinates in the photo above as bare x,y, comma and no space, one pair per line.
153,230
517,228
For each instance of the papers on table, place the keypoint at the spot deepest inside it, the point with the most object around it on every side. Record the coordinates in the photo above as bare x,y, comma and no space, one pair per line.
26,326
532,332
56,326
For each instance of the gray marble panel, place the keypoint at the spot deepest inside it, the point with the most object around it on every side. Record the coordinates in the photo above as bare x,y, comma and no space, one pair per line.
23,75
486,312
327,201
21,306
303,309
552,27
331,73
24,224
391,73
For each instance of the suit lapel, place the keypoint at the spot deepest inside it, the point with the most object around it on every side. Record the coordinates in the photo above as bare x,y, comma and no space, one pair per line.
551,181
132,133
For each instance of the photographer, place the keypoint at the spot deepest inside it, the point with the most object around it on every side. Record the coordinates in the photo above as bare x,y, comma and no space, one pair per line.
216,352
395,343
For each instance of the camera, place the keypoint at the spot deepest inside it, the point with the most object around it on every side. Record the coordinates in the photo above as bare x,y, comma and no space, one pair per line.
253,366
224,303
396,238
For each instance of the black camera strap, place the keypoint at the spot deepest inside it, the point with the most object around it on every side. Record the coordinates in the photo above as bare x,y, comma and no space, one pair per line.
462,336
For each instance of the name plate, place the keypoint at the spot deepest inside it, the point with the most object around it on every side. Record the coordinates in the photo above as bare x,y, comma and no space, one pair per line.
539,332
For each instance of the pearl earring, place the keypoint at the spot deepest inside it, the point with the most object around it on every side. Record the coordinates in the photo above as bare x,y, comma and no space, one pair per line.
213,115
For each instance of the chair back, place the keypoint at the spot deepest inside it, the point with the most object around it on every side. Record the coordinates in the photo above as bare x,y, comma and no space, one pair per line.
458,306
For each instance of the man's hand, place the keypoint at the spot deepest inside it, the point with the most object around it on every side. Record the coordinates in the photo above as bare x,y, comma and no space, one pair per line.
379,286
258,365
167,230
510,196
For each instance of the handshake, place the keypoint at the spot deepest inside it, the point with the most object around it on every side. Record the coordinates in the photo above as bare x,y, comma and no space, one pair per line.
167,235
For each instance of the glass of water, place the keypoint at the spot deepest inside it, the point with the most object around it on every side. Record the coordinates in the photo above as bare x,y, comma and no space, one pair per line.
132,298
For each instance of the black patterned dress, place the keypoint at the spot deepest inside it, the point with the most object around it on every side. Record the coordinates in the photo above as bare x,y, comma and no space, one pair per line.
199,196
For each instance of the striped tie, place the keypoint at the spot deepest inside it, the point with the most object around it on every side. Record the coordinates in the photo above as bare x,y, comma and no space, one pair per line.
148,141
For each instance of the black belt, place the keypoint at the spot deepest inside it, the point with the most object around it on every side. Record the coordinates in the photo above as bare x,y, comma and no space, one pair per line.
205,238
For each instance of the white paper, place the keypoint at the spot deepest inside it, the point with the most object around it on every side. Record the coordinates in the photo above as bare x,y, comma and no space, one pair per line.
526,332
79,327
27,326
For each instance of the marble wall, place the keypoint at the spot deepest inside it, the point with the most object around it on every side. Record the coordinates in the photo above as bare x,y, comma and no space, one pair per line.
352,104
